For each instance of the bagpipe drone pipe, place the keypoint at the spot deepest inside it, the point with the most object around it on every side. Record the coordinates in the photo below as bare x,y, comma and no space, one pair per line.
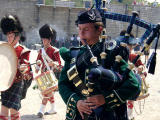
99,74
101,7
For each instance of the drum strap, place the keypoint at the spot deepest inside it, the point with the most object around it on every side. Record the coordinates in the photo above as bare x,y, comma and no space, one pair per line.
45,62
73,74
46,57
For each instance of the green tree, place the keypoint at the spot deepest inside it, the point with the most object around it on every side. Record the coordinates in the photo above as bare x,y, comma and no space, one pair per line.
48,2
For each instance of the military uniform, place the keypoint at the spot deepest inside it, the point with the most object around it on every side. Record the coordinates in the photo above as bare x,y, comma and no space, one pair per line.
11,97
50,54
53,53
115,99
76,76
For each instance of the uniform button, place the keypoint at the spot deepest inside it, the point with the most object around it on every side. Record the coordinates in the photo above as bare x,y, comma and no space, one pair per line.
115,100
111,95
87,70
87,84
72,99
118,105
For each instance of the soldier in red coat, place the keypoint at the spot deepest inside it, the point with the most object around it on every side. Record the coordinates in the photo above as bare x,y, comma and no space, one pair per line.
11,98
52,57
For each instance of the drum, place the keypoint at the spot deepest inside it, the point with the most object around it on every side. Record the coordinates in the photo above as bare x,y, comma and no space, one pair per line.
47,82
8,66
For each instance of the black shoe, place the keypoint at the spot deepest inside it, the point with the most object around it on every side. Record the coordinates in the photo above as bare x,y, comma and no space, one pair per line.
47,113
40,115
132,118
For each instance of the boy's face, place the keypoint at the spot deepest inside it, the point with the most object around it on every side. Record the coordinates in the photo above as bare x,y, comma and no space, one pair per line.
46,42
12,39
87,31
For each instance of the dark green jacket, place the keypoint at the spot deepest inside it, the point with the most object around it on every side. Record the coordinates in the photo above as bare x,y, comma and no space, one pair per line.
114,98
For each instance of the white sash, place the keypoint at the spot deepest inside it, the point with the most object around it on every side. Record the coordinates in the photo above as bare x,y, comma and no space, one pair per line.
46,58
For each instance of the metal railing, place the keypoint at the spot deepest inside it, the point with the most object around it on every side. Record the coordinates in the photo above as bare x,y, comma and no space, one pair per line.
66,3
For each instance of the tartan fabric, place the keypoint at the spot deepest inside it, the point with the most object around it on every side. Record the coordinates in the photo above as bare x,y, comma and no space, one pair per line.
51,99
105,115
26,85
15,116
11,98
3,117
126,18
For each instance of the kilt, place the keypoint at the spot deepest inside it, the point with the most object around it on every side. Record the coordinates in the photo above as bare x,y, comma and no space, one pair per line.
109,115
11,98
117,114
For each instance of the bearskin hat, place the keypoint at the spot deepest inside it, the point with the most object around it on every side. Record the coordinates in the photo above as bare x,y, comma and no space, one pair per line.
47,32
11,23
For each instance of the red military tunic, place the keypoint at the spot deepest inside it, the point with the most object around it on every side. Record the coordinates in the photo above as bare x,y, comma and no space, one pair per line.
132,57
53,53
23,56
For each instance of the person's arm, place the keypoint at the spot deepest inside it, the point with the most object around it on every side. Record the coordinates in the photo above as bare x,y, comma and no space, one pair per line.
66,88
39,62
57,58
25,67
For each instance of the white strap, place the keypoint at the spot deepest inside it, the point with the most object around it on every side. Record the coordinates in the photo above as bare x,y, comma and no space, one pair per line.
44,58
48,58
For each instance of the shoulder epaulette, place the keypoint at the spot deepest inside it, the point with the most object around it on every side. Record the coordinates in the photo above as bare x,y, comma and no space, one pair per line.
55,49
25,49
65,53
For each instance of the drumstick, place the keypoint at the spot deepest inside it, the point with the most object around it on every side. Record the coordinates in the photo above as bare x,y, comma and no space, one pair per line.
38,62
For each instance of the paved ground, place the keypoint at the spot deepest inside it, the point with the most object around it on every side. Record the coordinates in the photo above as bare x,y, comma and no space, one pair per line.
31,104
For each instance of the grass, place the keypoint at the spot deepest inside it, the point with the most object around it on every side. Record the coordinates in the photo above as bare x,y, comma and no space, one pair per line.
48,2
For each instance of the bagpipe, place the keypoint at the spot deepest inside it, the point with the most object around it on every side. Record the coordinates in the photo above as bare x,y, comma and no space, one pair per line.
97,77
98,73
150,28
101,7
